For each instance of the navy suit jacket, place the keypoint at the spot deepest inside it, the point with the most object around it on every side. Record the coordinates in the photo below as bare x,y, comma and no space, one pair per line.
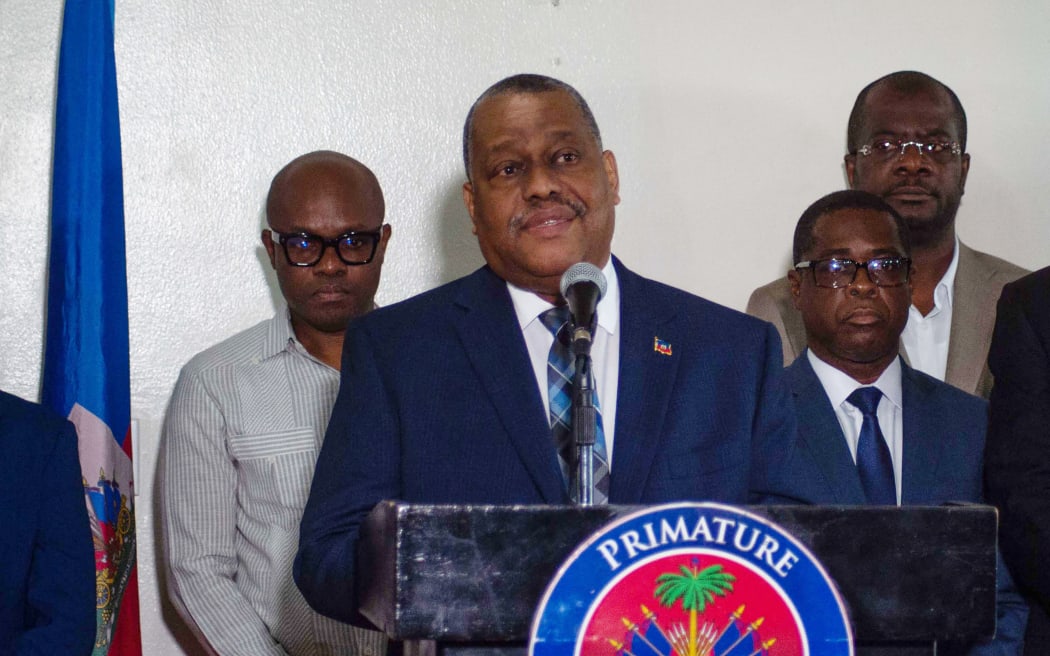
47,561
944,431
439,404
943,452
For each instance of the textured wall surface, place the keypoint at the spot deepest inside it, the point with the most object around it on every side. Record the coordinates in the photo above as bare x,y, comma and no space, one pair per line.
727,120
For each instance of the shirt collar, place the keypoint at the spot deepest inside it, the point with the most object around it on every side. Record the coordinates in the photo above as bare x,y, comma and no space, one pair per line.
528,306
944,292
839,386
280,337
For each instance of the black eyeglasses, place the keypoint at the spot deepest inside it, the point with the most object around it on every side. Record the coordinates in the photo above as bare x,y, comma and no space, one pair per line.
836,273
305,250
888,149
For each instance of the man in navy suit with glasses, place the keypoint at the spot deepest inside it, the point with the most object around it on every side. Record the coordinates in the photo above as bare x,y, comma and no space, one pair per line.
873,430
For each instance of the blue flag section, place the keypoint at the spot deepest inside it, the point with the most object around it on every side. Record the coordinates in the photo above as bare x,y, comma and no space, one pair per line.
86,372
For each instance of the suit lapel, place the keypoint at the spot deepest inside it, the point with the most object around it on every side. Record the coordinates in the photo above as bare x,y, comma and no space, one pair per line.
819,429
921,452
646,379
492,340
793,326
973,301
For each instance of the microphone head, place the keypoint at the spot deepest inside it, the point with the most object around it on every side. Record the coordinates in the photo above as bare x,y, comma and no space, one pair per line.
583,272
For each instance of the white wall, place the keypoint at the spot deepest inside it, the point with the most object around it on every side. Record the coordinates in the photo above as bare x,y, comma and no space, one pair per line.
727,119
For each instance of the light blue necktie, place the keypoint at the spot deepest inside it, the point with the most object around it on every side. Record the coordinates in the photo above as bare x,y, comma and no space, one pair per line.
873,455
560,368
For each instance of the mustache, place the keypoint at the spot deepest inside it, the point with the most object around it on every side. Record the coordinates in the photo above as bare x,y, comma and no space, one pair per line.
578,208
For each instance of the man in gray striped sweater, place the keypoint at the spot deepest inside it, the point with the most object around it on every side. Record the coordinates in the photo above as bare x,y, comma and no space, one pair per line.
248,415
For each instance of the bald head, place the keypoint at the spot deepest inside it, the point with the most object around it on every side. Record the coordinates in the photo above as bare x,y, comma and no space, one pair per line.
329,204
329,169
905,83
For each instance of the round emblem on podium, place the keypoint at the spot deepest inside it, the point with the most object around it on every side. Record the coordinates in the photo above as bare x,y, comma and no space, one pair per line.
691,579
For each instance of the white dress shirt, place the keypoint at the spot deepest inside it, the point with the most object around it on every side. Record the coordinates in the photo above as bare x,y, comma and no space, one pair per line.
925,338
838,386
605,350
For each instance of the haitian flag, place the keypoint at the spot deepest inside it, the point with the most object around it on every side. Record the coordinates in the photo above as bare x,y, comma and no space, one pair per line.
86,372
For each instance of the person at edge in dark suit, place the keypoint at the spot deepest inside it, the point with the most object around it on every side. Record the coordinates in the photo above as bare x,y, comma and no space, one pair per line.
906,138
47,559
444,397
873,430
1017,458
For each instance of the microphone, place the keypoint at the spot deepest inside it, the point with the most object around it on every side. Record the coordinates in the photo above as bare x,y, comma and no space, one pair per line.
582,285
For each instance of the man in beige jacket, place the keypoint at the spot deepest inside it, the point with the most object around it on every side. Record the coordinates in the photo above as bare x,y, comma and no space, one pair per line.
907,144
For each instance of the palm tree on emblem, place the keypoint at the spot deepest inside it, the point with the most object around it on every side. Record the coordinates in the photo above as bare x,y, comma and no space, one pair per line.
695,588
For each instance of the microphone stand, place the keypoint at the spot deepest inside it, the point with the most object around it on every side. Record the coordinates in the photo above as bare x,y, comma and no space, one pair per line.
584,417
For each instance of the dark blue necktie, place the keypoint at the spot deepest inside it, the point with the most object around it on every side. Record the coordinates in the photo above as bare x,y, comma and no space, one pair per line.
559,390
873,455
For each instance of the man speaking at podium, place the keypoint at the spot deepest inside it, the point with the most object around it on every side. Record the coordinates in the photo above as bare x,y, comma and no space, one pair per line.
445,397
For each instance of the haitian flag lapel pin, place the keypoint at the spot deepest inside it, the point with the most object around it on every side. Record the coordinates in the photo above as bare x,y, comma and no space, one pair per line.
661,347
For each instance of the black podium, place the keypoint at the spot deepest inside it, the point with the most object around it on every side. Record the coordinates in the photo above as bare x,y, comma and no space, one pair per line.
465,580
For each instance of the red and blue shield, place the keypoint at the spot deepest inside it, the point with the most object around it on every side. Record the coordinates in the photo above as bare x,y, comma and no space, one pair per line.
691,580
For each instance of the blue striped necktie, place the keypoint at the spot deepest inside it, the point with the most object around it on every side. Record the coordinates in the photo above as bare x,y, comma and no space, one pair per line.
873,455
560,368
